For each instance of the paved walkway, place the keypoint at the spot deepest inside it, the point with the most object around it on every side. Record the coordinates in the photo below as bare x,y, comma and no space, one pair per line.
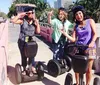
44,54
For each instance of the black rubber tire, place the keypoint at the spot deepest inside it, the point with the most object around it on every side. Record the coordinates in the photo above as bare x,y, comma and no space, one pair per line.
68,62
40,70
53,67
96,81
69,79
18,73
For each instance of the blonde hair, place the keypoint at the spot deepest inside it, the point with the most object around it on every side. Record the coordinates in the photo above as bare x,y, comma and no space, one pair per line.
64,12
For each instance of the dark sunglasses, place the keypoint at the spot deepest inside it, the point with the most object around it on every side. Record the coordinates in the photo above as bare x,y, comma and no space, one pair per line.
29,12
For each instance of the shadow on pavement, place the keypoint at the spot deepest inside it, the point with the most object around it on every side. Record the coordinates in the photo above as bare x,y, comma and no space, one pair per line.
46,70
47,81
11,74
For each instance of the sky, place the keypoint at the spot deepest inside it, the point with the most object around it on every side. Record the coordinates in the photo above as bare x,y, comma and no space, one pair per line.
4,5
51,2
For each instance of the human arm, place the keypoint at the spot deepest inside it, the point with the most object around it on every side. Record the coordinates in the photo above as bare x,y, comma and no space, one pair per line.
93,27
49,16
17,19
36,22
71,38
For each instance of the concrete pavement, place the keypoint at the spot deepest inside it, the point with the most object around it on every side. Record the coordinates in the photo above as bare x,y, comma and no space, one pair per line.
44,54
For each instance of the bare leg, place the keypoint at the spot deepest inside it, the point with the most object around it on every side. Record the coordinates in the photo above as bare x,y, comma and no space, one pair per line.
77,78
89,72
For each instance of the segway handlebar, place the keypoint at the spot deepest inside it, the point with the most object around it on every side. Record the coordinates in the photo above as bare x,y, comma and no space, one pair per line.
77,45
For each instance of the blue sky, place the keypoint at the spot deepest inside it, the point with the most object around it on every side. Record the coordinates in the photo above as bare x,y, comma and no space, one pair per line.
4,5
51,2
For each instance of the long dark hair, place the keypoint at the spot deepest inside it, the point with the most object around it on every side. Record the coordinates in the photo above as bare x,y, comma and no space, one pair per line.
75,10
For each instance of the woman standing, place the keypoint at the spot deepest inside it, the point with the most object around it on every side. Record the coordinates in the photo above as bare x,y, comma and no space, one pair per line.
84,33
59,40
29,25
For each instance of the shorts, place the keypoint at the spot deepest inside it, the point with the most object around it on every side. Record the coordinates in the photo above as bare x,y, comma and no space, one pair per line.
91,52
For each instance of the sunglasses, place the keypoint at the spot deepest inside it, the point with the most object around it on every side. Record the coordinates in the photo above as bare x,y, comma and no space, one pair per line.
29,12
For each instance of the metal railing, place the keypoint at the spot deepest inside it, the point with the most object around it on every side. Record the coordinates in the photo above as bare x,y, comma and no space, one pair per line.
46,31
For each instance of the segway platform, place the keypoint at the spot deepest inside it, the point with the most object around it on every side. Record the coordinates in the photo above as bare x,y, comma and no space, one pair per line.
30,50
26,78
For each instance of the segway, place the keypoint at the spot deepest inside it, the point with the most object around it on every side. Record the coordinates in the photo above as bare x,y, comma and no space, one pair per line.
79,64
30,50
58,67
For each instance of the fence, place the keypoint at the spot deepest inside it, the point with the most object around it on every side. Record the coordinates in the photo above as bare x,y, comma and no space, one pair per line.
3,52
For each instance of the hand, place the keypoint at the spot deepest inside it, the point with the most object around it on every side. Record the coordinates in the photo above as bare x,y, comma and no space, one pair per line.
21,15
36,22
91,45
50,13
63,31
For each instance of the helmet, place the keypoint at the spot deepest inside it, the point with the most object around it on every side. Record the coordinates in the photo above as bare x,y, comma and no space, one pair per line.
78,8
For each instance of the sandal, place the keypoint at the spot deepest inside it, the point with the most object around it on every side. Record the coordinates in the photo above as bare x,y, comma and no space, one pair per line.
34,70
31,74
23,72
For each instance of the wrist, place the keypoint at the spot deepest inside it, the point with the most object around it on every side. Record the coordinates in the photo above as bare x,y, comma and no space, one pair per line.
18,16
93,41
49,15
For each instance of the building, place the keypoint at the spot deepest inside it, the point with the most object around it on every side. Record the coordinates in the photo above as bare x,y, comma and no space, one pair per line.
62,3
67,3
55,4
45,1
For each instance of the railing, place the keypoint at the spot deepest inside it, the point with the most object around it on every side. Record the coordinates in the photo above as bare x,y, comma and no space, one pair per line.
3,52
46,31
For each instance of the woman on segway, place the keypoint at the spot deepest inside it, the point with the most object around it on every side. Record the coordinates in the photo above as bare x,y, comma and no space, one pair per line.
60,22
84,33
27,20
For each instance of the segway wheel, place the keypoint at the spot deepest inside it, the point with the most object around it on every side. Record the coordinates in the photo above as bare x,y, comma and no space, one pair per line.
69,79
18,73
68,63
54,68
40,70
96,81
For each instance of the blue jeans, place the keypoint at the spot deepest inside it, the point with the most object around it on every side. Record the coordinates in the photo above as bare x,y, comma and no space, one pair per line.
58,50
